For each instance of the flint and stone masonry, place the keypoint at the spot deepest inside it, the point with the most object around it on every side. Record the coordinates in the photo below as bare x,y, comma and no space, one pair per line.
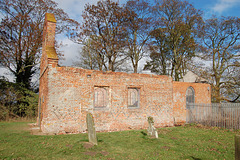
117,100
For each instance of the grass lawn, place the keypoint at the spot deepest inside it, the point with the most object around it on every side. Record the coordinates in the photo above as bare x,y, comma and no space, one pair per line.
186,142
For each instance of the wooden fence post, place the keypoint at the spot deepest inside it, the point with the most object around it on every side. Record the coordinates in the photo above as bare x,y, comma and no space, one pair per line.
237,147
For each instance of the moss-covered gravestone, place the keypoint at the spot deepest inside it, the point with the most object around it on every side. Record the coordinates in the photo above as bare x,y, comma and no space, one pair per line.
237,147
91,129
152,131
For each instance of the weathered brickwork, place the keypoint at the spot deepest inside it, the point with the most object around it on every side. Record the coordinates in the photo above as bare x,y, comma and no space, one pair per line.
202,95
71,97
118,101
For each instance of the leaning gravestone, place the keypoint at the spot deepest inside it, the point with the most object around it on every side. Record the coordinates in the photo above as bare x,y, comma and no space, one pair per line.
237,147
152,131
91,129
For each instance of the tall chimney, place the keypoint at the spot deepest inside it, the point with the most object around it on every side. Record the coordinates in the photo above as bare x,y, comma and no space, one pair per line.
49,55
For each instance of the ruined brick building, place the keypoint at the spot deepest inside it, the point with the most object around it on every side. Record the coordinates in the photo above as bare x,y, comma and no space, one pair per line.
118,101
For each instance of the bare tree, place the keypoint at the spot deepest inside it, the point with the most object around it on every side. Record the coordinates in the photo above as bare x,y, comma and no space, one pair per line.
160,60
220,45
103,26
174,36
21,35
138,29
232,86
88,58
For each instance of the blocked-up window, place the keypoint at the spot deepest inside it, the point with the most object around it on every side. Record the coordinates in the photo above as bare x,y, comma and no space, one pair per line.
190,95
133,97
100,97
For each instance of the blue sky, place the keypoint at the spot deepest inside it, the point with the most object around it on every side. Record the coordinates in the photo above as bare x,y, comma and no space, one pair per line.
75,7
217,7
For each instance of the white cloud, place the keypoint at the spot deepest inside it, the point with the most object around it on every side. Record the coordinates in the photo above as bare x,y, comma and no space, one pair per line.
6,73
70,50
223,5
74,7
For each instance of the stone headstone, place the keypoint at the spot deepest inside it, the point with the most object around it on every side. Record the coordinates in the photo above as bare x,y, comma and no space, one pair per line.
91,129
237,147
152,131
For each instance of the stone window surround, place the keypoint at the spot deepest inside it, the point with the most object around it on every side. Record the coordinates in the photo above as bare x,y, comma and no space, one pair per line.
139,88
136,98
105,101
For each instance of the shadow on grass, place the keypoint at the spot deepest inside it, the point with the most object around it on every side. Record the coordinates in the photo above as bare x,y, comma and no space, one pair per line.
143,133
83,140
195,158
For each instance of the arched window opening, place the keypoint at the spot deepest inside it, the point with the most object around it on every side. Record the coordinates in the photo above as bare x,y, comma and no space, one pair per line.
190,96
133,97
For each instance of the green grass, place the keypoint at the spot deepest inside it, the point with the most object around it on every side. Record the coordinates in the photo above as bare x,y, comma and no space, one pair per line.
188,142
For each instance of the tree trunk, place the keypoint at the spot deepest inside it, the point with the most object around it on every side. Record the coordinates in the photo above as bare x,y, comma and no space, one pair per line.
217,90
135,67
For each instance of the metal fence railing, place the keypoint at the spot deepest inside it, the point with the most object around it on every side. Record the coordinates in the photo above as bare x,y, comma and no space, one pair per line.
225,115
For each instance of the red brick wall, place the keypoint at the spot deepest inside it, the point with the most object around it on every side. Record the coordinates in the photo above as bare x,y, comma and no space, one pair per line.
67,95
46,61
71,97
202,95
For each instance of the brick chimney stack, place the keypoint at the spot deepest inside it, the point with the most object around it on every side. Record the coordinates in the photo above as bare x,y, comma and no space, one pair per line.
49,55
49,59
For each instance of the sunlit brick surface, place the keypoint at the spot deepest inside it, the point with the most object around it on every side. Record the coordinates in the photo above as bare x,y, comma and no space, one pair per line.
202,95
67,94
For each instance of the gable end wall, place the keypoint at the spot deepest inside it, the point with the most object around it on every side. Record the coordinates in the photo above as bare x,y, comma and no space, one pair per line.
202,96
